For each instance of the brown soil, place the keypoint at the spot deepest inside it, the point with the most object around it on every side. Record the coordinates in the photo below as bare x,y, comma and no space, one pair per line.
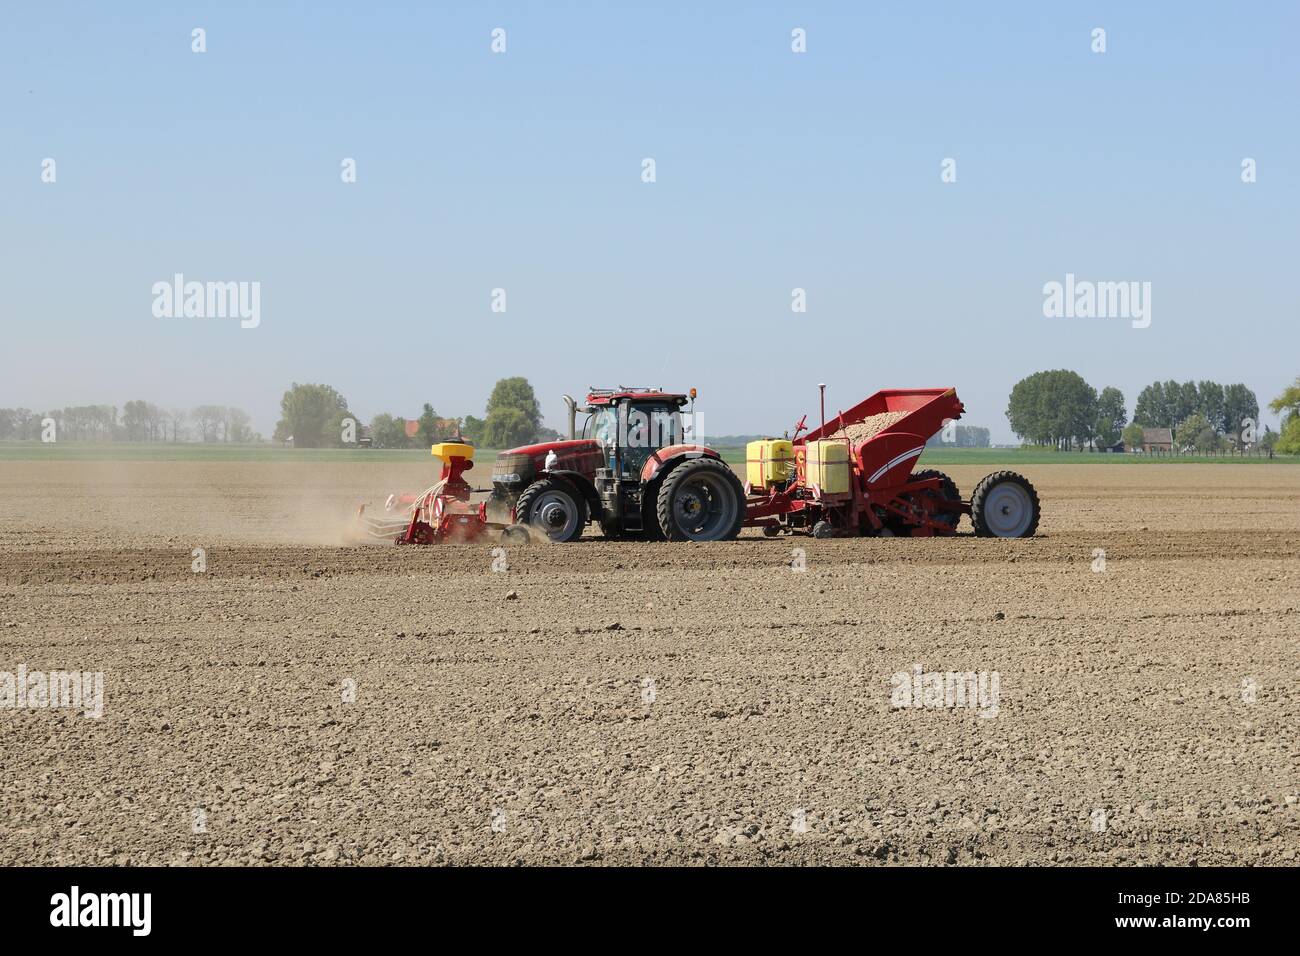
622,703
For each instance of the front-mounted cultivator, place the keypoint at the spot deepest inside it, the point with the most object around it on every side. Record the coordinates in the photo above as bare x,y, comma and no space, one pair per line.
443,512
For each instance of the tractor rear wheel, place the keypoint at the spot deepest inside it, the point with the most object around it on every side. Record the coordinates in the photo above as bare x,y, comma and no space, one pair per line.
1004,505
553,508
701,500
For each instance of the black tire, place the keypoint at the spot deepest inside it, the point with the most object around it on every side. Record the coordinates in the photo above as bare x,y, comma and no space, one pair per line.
1004,505
701,500
515,534
823,529
947,488
554,508
650,528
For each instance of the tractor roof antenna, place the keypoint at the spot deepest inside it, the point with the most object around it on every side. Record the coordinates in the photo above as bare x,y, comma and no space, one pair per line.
822,387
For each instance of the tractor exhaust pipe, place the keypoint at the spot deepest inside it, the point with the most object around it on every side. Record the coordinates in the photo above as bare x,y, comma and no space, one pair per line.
573,416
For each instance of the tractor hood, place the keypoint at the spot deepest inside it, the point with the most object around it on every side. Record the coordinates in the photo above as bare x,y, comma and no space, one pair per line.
517,467
570,446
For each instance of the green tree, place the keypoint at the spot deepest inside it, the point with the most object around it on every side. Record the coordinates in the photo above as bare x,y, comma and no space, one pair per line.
429,431
1111,416
1239,404
516,393
1288,406
1053,407
207,418
471,429
176,418
508,427
513,414
1210,402
311,415
1133,436
1180,401
1152,408
1025,409
235,425
1190,433
135,421
388,432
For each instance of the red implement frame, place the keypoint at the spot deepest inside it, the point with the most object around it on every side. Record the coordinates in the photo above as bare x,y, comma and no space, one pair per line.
881,489
442,513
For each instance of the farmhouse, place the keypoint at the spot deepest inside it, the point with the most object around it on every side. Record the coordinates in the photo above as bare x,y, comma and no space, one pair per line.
1158,441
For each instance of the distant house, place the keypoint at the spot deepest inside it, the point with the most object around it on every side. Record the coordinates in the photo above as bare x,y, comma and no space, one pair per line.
1159,441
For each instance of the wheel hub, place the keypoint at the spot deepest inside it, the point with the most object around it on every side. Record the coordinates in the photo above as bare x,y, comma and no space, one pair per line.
1009,510
691,505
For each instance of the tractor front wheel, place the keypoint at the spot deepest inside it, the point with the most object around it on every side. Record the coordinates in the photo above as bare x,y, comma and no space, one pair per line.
701,500
553,508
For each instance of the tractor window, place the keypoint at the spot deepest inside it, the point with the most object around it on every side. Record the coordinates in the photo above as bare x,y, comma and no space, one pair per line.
646,426
653,426
665,427
602,426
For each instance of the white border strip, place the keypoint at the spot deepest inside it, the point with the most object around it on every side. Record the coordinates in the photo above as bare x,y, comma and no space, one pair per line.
897,461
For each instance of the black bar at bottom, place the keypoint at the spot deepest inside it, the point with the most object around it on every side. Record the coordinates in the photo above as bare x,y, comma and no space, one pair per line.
333,905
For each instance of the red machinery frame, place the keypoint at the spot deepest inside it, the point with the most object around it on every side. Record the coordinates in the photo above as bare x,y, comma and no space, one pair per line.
881,472
442,513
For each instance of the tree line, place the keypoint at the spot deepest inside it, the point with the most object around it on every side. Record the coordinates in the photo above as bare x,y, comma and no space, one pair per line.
137,421
317,416
1058,408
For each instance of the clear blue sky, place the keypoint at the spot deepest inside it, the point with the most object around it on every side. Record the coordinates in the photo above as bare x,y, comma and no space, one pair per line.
522,171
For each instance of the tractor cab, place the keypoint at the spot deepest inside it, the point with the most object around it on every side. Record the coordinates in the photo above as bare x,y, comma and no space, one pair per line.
630,425
634,468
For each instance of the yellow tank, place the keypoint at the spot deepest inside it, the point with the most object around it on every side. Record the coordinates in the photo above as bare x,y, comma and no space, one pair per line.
447,450
768,462
827,466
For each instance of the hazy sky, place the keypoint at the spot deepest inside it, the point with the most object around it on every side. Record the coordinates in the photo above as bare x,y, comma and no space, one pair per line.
774,170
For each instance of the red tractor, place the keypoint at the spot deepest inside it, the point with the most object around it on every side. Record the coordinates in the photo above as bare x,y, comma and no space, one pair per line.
631,470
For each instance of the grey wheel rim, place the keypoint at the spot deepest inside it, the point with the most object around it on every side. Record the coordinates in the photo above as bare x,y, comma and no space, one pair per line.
704,507
554,514
1008,510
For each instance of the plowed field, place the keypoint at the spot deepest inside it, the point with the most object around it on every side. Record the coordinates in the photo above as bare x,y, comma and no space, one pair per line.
306,701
